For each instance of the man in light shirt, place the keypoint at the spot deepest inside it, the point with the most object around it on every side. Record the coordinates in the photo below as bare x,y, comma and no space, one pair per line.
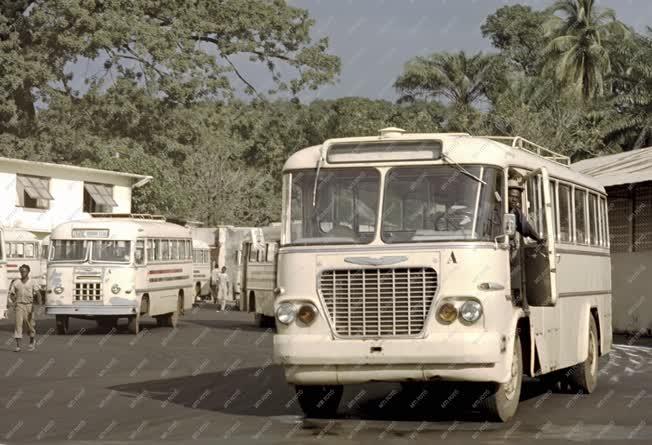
22,294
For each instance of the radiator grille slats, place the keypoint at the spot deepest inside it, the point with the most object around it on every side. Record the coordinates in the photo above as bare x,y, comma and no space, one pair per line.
88,291
378,302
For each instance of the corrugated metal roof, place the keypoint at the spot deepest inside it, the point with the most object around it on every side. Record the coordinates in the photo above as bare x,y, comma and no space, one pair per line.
621,168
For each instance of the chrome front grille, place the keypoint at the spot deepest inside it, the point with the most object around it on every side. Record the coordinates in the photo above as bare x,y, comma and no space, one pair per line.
378,302
88,291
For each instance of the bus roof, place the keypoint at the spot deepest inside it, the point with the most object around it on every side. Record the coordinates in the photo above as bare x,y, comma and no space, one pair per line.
461,148
199,244
14,234
122,229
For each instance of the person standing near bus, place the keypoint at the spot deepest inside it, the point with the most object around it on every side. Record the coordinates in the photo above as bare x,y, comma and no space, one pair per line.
22,293
223,283
215,278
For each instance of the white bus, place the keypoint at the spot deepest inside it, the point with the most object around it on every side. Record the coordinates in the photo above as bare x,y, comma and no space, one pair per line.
201,268
399,262
23,247
3,277
259,267
119,266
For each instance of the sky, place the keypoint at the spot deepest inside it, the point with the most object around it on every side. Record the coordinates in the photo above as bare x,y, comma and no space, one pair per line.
374,38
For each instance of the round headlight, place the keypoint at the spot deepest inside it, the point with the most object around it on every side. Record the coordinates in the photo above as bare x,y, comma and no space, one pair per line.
115,289
471,311
307,313
286,313
447,313
58,290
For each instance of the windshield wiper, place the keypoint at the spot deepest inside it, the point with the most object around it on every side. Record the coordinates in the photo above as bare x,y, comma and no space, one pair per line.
461,169
314,189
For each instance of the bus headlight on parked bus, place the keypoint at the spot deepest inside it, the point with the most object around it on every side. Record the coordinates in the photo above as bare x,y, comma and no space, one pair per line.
286,313
115,289
471,311
58,290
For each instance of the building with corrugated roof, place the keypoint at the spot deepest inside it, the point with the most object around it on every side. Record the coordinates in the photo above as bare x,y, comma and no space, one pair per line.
627,178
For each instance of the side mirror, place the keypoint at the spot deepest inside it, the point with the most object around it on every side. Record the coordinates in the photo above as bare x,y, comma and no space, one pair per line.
509,224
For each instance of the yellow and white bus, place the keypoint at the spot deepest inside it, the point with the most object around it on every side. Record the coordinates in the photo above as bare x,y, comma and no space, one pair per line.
4,289
23,247
400,262
116,266
201,268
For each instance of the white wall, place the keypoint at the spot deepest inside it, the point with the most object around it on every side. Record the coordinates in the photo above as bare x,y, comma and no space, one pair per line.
632,293
67,188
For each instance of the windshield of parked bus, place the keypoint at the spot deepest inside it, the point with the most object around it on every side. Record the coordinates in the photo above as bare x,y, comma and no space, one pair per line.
439,203
68,250
111,251
345,206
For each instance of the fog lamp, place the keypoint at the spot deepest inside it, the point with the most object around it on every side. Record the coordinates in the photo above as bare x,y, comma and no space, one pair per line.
447,313
307,313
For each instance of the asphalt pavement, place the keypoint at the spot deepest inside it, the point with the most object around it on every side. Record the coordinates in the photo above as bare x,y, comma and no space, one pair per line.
212,381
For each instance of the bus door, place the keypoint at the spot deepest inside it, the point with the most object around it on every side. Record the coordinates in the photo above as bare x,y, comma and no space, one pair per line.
540,273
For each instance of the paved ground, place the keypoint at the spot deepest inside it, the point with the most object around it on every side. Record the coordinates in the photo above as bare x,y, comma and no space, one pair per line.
211,381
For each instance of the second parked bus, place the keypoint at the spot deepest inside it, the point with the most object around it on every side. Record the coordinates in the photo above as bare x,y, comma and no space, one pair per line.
116,266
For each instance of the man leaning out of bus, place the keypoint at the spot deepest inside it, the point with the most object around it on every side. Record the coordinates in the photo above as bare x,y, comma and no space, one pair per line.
22,293
523,226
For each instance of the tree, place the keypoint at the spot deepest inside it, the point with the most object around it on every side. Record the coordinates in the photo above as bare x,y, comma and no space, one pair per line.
577,53
630,120
517,31
179,51
460,79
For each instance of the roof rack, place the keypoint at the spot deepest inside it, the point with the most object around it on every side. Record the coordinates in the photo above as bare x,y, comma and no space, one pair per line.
531,147
129,215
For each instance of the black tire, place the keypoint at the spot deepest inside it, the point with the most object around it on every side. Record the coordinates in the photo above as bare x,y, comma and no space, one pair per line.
134,324
320,401
584,376
264,321
502,402
63,324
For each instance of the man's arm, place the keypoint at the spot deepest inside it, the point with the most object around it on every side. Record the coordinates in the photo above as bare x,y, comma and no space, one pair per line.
12,292
526,228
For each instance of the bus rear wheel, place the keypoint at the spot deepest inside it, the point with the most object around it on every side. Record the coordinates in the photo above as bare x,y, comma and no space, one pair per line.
63,324
134,324
584,376
502,402
319,401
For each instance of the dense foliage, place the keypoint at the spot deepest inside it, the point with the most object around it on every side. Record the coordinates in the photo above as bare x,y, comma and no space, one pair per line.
162,100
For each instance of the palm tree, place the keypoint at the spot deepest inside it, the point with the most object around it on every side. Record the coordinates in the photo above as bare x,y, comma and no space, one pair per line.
459,79
577,53
630,119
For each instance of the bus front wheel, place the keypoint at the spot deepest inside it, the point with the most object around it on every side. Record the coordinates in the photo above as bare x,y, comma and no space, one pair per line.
134,324
501,402
63,324
319,401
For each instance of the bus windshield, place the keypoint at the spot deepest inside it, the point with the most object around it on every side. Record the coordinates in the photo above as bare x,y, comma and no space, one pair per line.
345,206
111,251
439,203
68,250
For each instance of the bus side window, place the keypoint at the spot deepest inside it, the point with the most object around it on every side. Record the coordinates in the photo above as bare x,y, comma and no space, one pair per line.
593,220
174,250
20,250
182,250
253,254
271,251
553,206
580,217
603,217
564,214
139,253
29,250
533,206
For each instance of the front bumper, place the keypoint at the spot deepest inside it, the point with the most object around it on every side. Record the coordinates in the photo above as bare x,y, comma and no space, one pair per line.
90,310
318,359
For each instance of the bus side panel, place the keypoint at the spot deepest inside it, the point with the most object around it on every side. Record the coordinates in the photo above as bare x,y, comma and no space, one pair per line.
578,293
164,283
